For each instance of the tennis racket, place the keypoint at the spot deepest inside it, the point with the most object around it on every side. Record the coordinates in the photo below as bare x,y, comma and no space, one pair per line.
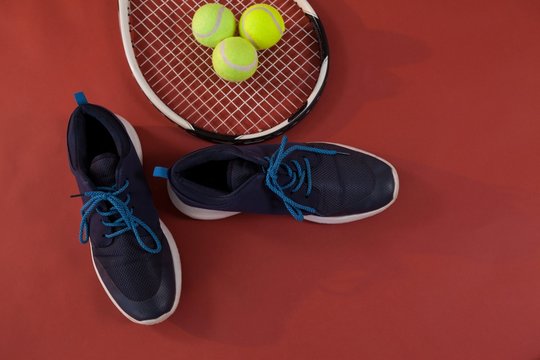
175,72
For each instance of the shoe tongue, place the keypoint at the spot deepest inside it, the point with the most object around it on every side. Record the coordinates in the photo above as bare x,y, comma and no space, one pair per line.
103,169
239,171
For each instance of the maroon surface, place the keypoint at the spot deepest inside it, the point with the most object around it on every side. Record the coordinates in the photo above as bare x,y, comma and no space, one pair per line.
447,91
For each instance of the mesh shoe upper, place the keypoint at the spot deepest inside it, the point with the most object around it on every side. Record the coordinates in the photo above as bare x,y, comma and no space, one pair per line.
143,284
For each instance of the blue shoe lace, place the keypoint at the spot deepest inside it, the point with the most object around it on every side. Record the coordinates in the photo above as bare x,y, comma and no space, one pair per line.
299,175
126,220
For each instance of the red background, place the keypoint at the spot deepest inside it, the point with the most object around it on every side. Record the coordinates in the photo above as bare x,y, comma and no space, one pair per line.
448,91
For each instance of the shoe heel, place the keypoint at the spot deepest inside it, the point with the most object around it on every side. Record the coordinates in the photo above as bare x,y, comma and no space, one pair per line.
194,212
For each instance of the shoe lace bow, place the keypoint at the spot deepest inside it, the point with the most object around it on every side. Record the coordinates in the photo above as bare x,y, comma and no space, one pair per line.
119,209
298,172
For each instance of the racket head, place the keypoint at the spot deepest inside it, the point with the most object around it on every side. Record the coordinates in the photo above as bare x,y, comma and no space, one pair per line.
175,72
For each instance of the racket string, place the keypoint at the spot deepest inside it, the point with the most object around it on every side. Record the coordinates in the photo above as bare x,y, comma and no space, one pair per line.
179,70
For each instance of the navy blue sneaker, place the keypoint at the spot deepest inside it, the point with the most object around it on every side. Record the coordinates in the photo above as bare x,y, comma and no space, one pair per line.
320,182
134,254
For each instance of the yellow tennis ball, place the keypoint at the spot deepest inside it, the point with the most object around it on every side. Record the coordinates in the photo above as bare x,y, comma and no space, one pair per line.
262,25
213,23
235,59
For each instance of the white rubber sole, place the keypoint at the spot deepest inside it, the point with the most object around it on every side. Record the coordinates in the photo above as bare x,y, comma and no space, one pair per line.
207,214
170,240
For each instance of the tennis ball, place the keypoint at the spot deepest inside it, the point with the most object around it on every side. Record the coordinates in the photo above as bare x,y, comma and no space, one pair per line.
235,59
262,25
213,23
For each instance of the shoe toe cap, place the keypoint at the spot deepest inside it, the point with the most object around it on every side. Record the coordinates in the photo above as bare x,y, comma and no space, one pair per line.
386,184
145,294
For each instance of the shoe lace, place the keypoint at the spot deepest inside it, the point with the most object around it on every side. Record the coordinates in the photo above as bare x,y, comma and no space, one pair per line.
120,209
299,174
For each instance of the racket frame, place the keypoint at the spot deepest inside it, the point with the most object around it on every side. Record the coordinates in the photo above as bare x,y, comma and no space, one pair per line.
286,124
